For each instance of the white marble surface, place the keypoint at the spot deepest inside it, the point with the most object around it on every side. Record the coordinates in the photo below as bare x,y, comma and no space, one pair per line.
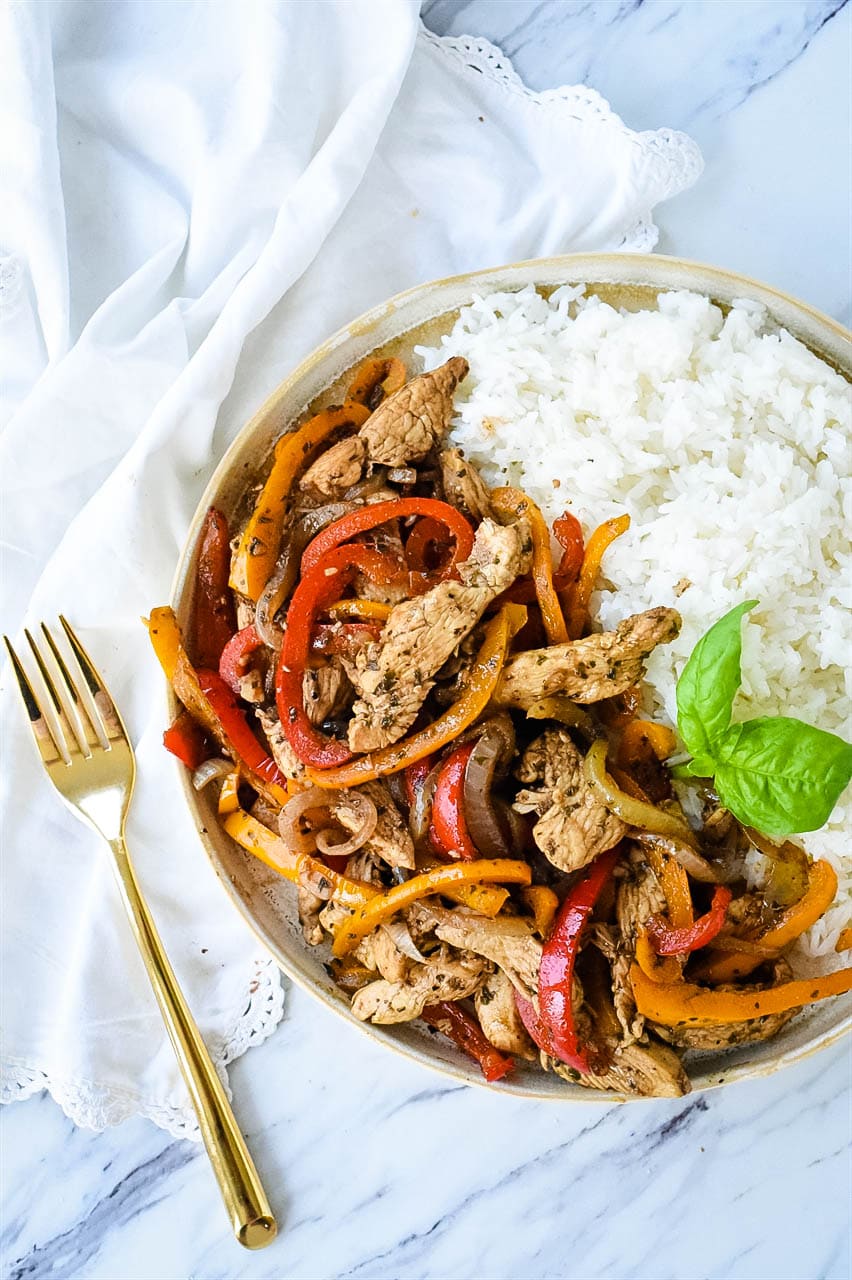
376,1167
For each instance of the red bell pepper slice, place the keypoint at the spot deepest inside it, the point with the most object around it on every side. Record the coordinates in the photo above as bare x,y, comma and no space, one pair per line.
449,831
428,541
538,1032
316,589
187,740
213,617
668,941
377,513
559,958
236,654
569,534
236,728
466,1032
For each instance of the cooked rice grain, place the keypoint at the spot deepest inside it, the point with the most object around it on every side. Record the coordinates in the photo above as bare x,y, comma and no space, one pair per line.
728,443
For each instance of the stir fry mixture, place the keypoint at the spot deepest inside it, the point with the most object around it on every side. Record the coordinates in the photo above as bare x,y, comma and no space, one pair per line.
406,709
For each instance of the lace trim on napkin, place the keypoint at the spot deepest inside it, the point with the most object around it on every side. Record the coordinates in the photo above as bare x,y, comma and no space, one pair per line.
675,157
677,163
96,1106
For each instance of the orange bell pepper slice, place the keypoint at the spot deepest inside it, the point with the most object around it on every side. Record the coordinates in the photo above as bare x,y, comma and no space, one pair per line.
725,966
580,593
844,942
366,918
678,1003
254,558
514,504
481,684
657,968
636,733
372,373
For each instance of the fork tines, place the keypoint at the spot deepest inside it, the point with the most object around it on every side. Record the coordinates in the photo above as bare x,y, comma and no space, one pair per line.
68,715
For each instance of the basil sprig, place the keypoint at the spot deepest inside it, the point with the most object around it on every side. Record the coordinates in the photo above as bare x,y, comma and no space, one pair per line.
774,773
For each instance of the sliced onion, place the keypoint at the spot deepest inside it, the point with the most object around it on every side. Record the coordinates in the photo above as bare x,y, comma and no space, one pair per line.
400,935
365,488
367,816
274,594
420,813
396,787
286,572
688,857
218,767
636,813
288,820
488,828
787,879
727,942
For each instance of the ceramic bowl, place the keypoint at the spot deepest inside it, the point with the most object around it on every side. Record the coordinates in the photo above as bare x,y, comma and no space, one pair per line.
395,327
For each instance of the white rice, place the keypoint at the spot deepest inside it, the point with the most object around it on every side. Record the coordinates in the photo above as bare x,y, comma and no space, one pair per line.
727,441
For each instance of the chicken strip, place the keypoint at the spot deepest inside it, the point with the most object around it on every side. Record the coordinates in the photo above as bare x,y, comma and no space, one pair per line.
310,905
393,675
410,422
337,469
508,941
499,1018
464,486
649,1070
591,669
620,959
380,952
326,691
444,977
573,826
281,751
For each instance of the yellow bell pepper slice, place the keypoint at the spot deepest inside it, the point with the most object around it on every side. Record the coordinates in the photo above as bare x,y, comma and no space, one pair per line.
165,637
544,904
264,844
254,559
487,899
366,918
373,609
480,686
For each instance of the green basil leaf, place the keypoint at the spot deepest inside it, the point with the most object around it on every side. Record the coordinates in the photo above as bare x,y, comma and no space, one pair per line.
781,775
699,767
709,682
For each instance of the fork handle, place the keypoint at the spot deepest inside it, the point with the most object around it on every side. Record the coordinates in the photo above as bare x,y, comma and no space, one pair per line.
251,1217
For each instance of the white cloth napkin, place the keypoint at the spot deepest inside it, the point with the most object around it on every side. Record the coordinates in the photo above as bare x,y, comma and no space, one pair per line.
193,196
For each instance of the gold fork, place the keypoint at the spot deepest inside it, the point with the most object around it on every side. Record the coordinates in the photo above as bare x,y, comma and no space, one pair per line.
89,759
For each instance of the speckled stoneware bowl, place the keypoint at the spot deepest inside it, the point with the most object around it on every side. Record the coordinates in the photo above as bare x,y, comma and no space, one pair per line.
419,316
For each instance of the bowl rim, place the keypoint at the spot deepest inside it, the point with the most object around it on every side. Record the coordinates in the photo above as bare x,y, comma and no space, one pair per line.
586,265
